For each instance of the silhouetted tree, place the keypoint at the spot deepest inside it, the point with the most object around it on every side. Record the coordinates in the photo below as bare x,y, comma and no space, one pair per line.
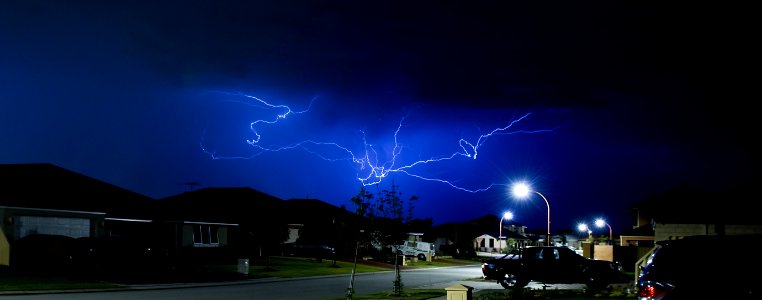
386,219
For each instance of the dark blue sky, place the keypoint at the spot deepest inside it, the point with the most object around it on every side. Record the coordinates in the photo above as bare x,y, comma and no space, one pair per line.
603,104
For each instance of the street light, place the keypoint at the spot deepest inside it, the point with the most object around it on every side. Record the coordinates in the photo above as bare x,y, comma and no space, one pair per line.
583,227
600,223
521,190
506,216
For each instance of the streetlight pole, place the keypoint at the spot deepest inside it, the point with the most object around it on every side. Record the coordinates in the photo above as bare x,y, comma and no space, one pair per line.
506,215
521,190
548,204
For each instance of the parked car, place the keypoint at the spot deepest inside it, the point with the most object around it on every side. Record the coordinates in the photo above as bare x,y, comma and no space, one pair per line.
703,267
551,265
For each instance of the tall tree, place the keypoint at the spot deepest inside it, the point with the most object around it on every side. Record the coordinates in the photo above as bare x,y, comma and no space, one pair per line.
387,221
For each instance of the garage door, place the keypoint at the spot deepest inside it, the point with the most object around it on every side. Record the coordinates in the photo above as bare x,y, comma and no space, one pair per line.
73,227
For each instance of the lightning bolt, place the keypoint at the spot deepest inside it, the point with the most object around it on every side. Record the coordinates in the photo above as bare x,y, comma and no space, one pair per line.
371,168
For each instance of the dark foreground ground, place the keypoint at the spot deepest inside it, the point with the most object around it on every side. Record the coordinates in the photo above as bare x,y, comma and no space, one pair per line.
285,267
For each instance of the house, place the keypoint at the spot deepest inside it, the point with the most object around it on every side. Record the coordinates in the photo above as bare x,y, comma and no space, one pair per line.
196,226
487,243
221,224
47,199
686,211
255,223
480,235
318,228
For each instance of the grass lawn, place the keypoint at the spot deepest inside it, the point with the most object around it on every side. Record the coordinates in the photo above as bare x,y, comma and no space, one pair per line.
279,267
45,283
289,267
411,294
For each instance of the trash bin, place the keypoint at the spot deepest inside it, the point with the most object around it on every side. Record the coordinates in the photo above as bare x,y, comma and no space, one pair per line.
243,265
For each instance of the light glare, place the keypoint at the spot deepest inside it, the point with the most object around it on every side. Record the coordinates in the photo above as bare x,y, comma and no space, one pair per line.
520,190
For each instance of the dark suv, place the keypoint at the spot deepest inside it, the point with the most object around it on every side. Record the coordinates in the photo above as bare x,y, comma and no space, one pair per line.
551,265
703,267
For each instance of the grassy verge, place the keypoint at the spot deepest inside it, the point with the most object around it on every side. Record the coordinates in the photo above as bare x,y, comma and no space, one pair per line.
412,294
279,267
46,283
290,267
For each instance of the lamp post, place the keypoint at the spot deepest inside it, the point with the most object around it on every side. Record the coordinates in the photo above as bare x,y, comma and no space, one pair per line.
583,227
600,223
506,216
521,190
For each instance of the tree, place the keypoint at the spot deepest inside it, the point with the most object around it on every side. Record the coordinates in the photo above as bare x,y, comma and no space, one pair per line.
386,218
363,209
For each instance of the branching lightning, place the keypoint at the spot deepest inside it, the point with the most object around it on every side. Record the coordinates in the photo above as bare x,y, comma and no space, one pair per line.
371,168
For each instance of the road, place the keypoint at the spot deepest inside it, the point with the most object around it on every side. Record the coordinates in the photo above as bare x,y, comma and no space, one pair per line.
320,288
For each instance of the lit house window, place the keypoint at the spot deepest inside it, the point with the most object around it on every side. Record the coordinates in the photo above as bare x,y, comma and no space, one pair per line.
205,236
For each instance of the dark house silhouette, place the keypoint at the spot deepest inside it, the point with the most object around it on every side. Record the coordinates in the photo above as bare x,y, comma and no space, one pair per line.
209,224
44,199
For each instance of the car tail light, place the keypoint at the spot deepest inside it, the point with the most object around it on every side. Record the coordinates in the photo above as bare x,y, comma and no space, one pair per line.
651,291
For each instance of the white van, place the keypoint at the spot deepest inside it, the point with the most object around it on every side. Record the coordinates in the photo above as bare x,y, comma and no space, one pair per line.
413,248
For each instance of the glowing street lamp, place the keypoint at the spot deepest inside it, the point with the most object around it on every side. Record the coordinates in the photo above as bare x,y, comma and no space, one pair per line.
506,216
600,223
583,227
522,190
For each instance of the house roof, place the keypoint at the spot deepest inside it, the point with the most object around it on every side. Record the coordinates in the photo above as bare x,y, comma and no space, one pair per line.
235,205
48,186
307,211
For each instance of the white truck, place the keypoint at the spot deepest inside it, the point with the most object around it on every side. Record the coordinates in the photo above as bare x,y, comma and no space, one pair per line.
422,250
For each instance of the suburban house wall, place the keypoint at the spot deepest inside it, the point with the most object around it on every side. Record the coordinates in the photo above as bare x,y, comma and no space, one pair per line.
186,234
18,222
131,228
67,226
5,250
30,203
676,231
486,243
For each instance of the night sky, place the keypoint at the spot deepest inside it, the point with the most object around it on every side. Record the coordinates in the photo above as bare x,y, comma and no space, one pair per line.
598,105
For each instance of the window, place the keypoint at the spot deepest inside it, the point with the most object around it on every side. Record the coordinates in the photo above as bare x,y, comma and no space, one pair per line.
205,236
